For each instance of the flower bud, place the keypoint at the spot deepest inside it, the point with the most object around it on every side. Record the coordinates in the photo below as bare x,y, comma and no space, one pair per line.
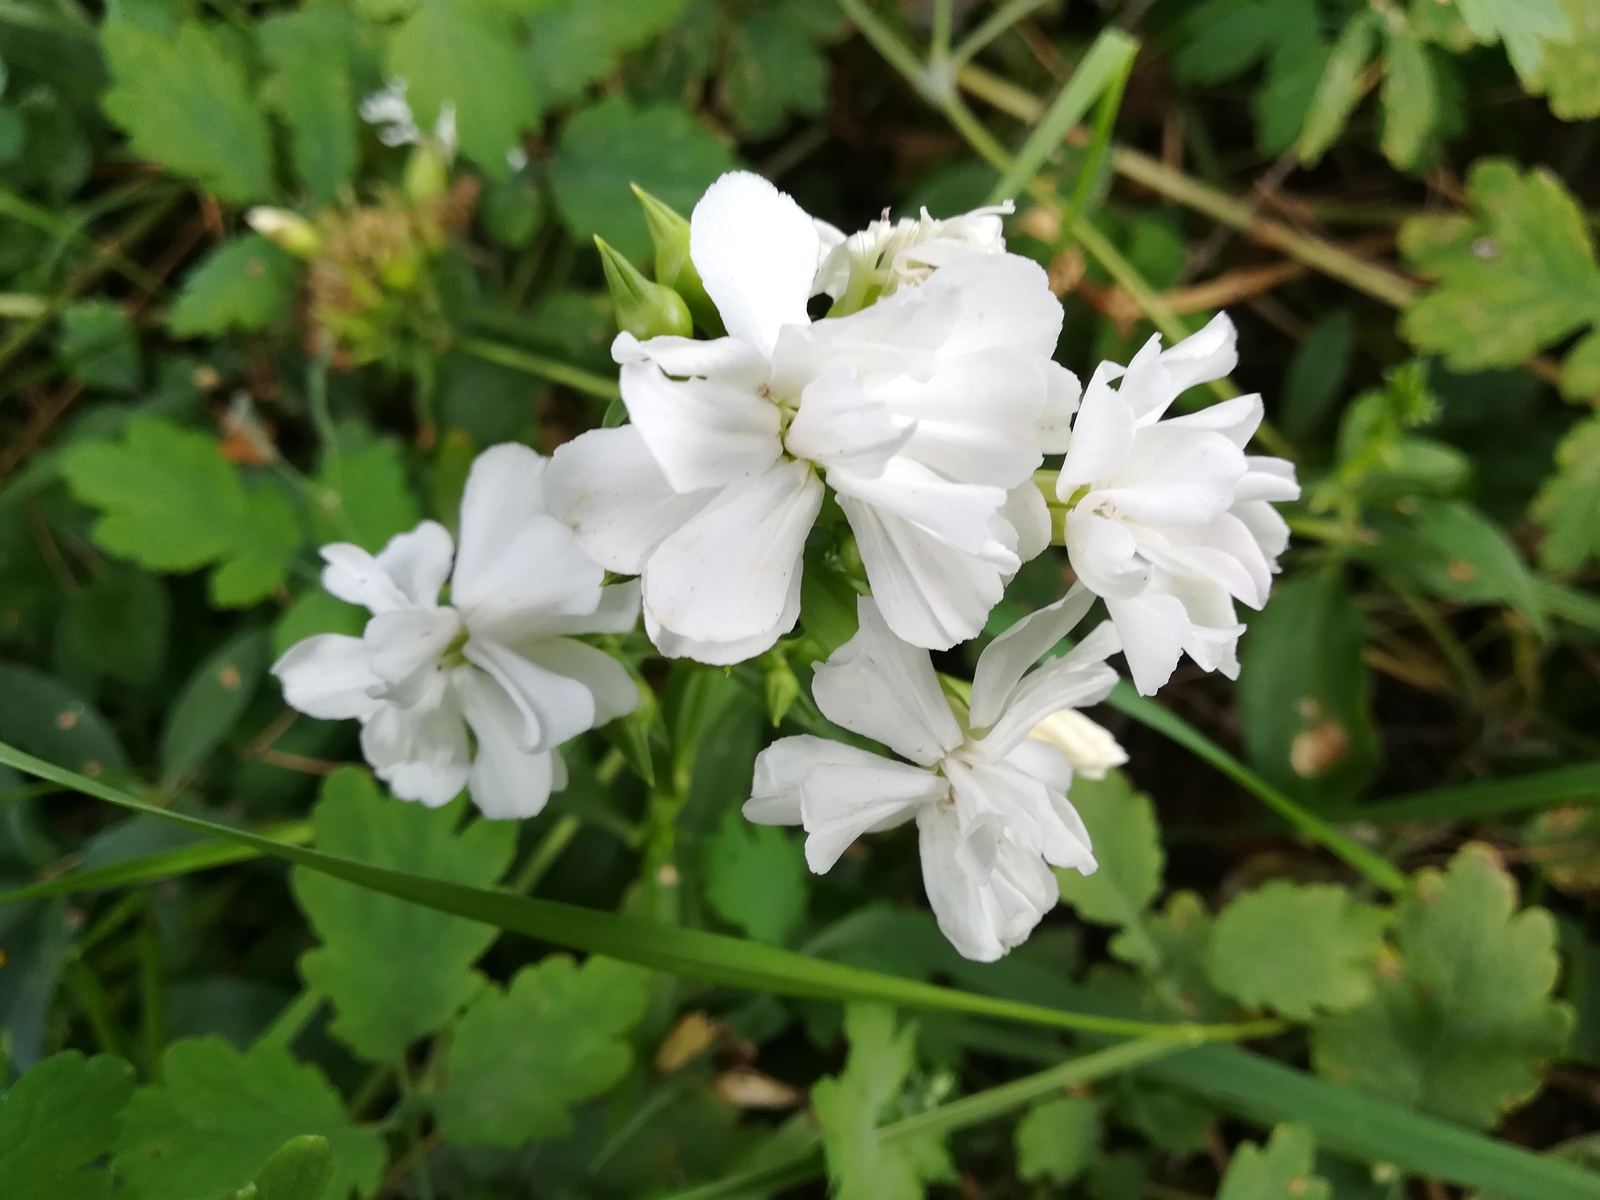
289,229
427,175
669,232
644,309
1091,749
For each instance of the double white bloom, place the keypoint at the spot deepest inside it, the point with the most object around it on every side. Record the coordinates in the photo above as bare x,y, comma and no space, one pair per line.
990,801
498,659
1169,520
926,413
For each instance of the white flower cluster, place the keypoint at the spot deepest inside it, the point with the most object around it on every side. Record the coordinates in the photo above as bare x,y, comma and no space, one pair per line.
920,407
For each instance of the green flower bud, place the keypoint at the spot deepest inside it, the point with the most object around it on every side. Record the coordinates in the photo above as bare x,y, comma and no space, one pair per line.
427,173
674,268
289,229
644,309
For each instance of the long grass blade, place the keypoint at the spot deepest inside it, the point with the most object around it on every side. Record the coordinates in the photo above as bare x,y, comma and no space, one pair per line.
1487,798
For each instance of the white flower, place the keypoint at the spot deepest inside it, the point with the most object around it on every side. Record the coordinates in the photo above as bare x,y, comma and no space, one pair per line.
497,659
1170,521
1089,747
390,111
923,413
888,255
990,801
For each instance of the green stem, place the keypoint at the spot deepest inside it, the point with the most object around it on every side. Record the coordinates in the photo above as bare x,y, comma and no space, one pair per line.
322,419
292,1021
943,20
419,1149
545,854
997,23
152,1019
1105,121
552,369
92,998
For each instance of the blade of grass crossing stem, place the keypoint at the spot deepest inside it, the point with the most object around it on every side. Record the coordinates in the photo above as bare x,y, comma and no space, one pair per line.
552,369
163,864
1578,784
1374,867
1103,71
1105,121
694,953
806,1164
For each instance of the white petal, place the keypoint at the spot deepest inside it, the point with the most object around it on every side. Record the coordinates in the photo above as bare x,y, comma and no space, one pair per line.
553,707
1153,628
1105,555
1006,301
984,915
702,432
357,577
784,765
961,515
838,425
1202,357
757,252
418,562
1236,419
1062,392
731,652
839,802
1059,683
1269,529
727,574
406,647
506,781
735,363
1027,511
1267,479
606,487
1087,748
329,677
618,612
878,686
615,693
1004,660
1102,436
1174,476
420,752
930,593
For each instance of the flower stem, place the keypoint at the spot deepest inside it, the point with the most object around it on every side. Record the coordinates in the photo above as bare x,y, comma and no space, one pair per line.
552,369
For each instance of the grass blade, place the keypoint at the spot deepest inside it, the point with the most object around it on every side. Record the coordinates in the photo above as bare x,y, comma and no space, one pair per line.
1485,798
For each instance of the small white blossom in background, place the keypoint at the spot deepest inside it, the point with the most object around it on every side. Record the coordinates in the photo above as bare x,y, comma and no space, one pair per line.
988,795
389,112
498,659
1168,519
1089,747
926,413
888,255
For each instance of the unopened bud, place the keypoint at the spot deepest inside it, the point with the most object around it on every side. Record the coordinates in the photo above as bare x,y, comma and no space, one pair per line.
427,175
1091,749
644,309
669,232
289,229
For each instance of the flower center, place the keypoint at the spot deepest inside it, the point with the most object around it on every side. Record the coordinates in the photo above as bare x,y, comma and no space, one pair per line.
454,654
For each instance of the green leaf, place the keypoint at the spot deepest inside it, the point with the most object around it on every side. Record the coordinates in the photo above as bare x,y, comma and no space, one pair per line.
1521,24
573,43
756,878
369,500
1297,948
1317,373
1568,504
57,1122
184,103
394,971
1410,101
311,53
611,144
99,346
1340,88
1569,72
1127,843
1058,1140
117,624
1457,553
300,1170
776,66
170,501
1283,104
219,1114
1170,949
246,284
53,720
1285,1170
210,704
559,1024
316,611
849,1108
1464,1028
1515,275
1220,39
1303,691
468,54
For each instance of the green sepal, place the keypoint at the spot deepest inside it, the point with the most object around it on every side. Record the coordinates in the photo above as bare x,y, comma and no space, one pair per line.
643,308
669,233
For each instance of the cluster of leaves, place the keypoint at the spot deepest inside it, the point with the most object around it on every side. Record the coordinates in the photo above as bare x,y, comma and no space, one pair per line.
193,408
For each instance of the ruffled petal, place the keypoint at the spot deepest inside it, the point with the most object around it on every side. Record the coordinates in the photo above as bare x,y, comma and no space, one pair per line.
1105,555
839,802
784,765
554,707
1026,511
506,780
733,362
1153,628
418,562
329,677
701,432
406,647
1006,302
930,593
838,425
614,691
1102,435
1058,684
1005,660
607,488
728,573
757,252
618,612
984,912
878,686
1062,393
961,515
1173,476
421,752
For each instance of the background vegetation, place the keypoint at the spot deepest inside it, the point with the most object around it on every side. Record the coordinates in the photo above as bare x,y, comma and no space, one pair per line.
1364,877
